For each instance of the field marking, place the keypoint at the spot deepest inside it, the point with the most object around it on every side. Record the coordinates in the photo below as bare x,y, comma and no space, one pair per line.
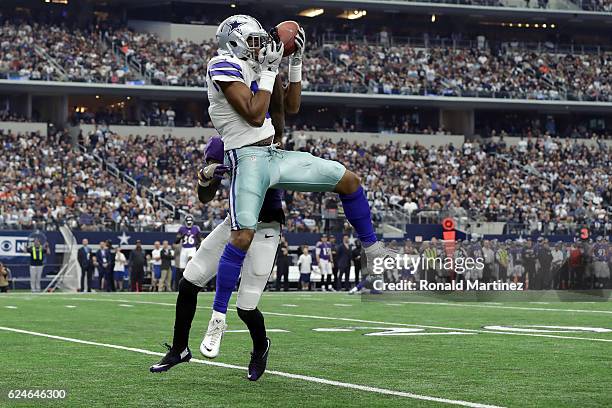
342,305
70,306
267,331
125,305
289,305
537,309
348,319
307,378
11,307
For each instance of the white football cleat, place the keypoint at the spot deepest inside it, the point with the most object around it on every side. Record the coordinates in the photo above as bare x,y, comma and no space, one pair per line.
212,339
374,251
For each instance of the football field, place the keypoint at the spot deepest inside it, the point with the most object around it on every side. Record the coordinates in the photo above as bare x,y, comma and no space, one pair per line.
328,350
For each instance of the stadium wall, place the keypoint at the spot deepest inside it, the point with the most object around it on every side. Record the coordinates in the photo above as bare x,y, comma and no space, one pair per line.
173,32
24,127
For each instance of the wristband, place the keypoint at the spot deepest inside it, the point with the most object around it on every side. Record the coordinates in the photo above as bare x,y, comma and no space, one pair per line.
266,80
295,73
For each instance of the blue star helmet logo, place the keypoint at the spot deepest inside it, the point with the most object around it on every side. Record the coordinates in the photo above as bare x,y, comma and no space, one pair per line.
234,25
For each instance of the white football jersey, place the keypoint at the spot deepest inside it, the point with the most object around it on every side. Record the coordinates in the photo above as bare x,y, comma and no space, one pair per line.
234,130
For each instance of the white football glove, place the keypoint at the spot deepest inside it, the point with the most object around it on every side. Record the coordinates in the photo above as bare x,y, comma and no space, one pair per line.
270,56
300,46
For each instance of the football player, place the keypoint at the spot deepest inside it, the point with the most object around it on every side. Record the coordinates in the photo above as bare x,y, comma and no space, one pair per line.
240,81
203,267
189,239
323,254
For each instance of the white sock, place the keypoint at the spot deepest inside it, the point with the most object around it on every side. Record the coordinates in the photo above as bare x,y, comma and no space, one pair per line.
218,315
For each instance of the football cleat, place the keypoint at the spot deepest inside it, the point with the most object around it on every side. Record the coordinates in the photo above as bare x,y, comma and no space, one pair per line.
257,365
171,359
375,251
212,339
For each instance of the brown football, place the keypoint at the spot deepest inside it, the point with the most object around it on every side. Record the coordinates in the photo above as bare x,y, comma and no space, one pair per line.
287,30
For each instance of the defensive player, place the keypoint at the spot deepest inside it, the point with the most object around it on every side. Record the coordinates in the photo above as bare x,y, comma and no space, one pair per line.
240,81
189,238
203,267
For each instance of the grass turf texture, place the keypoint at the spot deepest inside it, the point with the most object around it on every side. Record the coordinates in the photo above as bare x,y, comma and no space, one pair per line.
486,368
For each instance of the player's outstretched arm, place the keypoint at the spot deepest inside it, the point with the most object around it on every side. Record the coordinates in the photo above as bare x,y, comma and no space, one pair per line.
253,107
293,93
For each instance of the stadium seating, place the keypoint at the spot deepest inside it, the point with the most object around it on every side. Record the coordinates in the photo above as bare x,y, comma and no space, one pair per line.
355,67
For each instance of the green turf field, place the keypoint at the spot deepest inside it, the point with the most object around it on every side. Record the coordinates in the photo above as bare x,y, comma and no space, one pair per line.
337,351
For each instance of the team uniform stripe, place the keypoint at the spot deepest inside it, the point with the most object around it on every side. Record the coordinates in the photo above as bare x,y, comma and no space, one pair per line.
233,152
232,196
225,72
226,64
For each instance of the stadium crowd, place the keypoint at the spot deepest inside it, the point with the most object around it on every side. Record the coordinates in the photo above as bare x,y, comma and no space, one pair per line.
46,183
357,67
543,184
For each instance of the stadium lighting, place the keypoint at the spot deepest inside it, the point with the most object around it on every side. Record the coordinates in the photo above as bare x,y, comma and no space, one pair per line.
544,25
433,18
552,26
233,5
311,12
352,14
97,96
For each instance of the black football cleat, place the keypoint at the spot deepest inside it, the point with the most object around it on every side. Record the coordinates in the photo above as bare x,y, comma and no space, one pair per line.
171,359
258,363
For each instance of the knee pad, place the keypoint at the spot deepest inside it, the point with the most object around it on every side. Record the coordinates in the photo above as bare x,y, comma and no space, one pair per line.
188,287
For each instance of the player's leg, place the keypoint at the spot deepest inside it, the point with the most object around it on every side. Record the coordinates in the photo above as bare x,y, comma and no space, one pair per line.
255,273
250,170
302,171
199,270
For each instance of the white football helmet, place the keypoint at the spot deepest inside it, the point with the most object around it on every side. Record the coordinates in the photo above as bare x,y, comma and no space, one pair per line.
242,36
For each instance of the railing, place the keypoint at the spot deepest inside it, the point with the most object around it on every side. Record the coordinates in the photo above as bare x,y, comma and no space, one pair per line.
379,88
114,171
42,53
459,43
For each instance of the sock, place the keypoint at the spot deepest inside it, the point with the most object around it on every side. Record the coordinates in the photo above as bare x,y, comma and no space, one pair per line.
357,211
254,320
218,315
186,303
227,276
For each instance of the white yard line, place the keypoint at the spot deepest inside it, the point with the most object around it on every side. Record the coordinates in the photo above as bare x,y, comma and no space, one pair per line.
490,306
347,319
307,378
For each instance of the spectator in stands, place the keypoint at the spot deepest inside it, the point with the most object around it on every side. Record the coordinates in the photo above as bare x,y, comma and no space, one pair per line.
38,253
84,256
137,262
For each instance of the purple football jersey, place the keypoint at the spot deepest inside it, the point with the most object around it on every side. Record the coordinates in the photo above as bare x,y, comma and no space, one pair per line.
190,235
324,250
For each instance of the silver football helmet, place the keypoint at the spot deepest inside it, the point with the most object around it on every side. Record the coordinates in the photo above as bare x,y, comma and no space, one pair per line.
242,36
